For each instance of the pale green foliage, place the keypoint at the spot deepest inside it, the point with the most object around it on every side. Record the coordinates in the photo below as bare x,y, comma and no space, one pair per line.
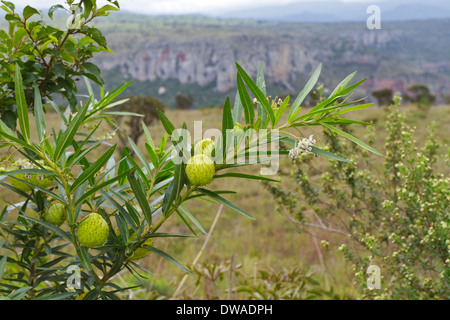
396,217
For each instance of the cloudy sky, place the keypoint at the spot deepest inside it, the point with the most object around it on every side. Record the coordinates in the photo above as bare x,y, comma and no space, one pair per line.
179,6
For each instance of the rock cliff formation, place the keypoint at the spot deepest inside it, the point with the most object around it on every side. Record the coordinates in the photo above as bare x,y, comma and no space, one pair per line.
289,57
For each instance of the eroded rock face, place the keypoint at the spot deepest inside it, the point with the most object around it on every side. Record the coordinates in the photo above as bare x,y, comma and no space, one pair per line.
288,58
203,61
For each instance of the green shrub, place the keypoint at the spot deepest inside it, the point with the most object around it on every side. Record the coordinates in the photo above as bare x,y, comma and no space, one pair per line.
393,215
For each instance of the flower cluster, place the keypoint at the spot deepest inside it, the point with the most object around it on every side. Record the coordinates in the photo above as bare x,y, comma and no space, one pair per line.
303,147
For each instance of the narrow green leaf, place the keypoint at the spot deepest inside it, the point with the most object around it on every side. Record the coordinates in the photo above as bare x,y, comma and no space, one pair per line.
2,266
343,83
135,166
354,108
344,121
168,126
19,294
312,112
123,228
39,117
353,86
243,176
80,153
165,255
105,102
86,79
152,155
192,218
140,195
122,212
237,109
261,83
60,232
21,104
123,166
83,255
5,134
246,102
227,123
352,138
280,110
260,80
44,190
202,196
185,222
28,171
68,135
132,212
93,168
170,235
327,154
259,95
140,156
219,199
174,189
57,296
148,136
295,108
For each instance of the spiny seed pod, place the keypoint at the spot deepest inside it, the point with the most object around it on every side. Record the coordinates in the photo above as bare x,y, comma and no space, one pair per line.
22,186
200,170
42,181
205,147
56,214
93,231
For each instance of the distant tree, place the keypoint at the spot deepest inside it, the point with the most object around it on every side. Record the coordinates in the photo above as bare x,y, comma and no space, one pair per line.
383,96
132,125
183,101
446,98
421,95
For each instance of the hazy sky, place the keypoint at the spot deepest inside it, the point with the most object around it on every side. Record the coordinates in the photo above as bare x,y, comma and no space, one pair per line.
179,6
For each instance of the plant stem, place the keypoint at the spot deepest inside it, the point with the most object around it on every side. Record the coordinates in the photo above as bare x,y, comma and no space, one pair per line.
172,210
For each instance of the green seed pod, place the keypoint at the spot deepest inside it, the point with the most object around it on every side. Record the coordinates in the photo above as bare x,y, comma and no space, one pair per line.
200,170
55,214
205,147
93,231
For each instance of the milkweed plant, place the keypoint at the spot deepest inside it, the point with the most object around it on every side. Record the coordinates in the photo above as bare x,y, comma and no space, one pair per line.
73,210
